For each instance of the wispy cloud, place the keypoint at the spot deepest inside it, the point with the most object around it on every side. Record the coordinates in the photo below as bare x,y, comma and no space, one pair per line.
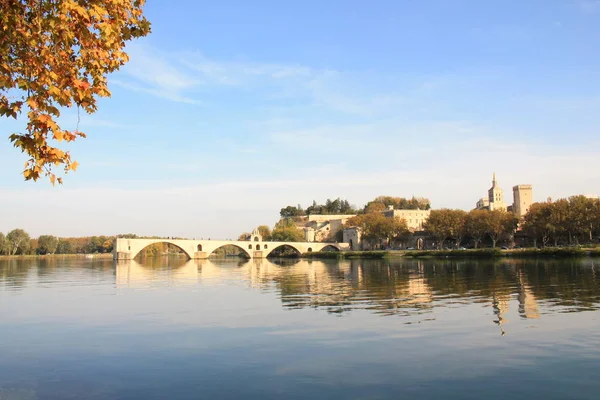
185,77
143,87
240,73
151,71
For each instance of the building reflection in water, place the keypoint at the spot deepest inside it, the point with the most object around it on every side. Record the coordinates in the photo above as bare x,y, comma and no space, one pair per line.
388,287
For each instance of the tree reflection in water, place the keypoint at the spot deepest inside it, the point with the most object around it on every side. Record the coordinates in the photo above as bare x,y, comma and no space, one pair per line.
400,287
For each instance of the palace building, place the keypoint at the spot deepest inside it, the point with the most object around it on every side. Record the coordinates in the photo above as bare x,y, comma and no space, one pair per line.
522,199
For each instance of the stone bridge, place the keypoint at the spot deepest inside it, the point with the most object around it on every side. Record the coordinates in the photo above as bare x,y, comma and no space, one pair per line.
127,249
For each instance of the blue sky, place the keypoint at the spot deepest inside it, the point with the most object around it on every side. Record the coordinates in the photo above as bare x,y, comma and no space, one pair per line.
231,110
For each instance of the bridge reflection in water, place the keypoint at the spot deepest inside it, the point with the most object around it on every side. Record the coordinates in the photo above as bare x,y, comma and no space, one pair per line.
512,288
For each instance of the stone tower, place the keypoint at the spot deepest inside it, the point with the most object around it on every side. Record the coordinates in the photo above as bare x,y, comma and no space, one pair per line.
522,199
496,196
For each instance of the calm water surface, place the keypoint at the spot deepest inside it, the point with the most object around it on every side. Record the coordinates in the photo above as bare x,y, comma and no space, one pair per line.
226,329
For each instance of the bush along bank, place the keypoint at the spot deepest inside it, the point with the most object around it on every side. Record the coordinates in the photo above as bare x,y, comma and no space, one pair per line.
346,254
489,253
550,252
469,253
479,253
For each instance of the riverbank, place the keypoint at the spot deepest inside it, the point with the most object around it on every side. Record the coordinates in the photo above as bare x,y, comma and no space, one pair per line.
58,256
518,253
469,253
375,254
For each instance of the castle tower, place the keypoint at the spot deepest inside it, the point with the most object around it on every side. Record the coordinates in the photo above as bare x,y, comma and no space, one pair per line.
522,199
496,196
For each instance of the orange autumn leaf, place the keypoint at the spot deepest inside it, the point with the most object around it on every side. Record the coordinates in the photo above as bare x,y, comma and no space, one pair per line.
55,55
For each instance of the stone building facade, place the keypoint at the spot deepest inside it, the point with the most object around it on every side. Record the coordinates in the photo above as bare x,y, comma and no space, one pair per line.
522,199
414,218
322,228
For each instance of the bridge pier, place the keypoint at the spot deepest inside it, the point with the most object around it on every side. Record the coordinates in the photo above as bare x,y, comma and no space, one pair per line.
122,255
200,255
257,254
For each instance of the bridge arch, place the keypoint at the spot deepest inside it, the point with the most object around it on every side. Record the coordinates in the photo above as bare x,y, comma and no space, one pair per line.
330,247
242,250
137,250
288,245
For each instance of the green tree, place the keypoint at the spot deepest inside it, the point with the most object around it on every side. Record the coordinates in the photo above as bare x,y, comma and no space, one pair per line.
476,225
376,227
314,209
64,246
395,228
559,220
346,208
401,203
336,206
93,245
286,231
244,236
47,244
582,217
537,224
596,218
374,207
3,244
291,211
446,224
127,236
265,232
500,223
18,242
107,245
56,54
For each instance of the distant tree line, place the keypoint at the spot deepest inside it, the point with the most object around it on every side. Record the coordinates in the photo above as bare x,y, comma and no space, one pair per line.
331,207
459,226
381,203
343,206
18,242
572,221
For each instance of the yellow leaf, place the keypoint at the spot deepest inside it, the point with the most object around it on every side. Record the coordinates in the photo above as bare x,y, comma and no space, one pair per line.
32,103
59,53
58,135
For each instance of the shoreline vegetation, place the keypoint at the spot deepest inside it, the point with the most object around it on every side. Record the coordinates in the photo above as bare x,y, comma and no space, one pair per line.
381,254
56,256
469,253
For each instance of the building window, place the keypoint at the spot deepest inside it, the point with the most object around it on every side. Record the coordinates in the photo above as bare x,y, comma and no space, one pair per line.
250,246
265,246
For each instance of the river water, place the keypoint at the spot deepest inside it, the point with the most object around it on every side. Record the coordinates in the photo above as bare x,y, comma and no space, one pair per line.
168,328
